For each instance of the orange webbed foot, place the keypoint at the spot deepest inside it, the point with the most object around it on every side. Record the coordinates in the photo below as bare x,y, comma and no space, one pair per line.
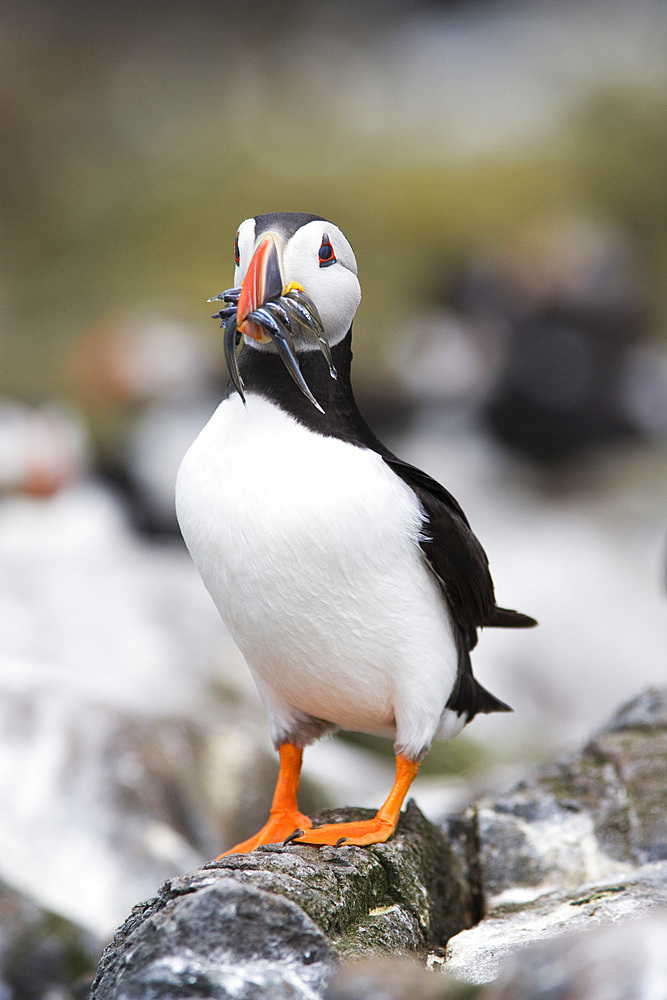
285,817
287,824
355,834
277,830
368,831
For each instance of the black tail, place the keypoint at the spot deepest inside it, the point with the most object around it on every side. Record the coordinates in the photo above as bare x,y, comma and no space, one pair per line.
505,618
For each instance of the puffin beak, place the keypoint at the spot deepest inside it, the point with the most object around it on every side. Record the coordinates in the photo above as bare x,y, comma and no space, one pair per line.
271,313
263,281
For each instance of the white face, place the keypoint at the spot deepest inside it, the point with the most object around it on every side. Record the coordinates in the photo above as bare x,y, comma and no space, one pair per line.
333,286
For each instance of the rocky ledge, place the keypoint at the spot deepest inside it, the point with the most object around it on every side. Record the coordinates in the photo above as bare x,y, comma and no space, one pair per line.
581,844
510,892
277,922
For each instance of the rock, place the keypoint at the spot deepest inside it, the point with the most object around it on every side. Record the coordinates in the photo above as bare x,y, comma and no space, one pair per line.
277,921
477,955
626,960
42,955
593,815
222,940
581,843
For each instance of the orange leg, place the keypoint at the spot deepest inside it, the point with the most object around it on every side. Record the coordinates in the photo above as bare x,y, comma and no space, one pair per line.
284,817
370,831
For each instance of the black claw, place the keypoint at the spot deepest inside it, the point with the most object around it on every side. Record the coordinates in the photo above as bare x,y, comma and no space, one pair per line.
293,836
341,840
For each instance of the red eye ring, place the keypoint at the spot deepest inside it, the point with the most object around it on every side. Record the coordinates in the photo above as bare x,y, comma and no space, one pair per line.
237,254
326,252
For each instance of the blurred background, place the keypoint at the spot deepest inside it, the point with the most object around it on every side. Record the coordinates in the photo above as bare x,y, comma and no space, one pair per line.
500,169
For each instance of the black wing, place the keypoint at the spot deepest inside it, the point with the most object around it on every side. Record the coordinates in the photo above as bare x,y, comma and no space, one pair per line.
456,556
461,567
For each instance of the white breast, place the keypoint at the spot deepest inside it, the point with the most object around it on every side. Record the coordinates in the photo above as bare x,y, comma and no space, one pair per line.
309,547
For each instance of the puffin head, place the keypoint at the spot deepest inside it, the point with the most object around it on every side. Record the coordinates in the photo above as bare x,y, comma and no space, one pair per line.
295,289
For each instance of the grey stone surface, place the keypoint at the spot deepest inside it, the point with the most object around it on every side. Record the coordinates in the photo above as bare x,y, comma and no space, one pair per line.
583,843
277,921
223,939
623,961
595,814
478,955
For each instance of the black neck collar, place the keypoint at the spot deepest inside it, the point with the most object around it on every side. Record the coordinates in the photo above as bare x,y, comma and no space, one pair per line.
263,372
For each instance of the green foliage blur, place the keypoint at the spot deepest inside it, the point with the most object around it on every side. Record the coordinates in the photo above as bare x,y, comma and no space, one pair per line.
138,136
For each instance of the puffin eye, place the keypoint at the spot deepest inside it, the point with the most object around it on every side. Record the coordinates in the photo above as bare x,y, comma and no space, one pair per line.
326,252
237,255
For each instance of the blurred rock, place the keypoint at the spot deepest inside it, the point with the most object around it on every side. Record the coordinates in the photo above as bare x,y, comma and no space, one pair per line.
478,955
42,955
625,961
275,922
388,979
615,961
100,806
88,610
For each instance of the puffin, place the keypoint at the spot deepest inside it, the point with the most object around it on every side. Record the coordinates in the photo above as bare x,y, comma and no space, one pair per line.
350,580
